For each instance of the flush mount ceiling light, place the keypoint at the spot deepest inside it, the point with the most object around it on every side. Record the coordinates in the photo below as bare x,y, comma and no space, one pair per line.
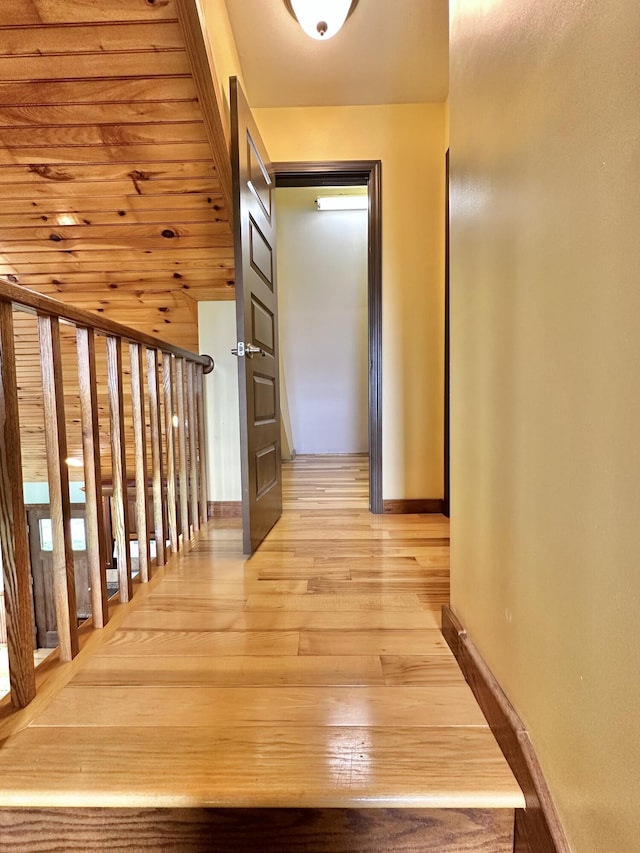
342,202
321,19
74,462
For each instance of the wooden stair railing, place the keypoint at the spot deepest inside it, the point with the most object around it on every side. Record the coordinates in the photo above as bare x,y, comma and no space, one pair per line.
169,423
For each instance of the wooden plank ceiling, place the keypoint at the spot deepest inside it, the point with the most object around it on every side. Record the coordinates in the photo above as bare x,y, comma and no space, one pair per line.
111,198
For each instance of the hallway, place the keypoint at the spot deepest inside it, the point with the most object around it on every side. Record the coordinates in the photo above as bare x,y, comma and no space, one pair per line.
312,675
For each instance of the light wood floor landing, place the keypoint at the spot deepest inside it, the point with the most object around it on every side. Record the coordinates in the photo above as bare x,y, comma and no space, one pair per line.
312,675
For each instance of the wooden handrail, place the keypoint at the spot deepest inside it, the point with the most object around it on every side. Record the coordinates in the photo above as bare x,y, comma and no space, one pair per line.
38,302
167,416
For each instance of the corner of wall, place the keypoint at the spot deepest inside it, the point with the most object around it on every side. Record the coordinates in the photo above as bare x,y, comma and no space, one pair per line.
224,53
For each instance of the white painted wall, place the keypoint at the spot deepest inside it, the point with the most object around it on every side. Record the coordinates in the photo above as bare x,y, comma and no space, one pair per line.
322,309
217,336
38,493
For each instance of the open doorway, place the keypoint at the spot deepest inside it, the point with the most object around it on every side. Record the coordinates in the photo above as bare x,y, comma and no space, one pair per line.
354,427
218,335
322,317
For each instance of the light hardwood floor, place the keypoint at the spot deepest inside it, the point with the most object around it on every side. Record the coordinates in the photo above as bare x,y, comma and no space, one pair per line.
313,674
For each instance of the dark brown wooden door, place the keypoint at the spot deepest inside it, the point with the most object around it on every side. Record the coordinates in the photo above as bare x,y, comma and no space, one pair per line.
257,324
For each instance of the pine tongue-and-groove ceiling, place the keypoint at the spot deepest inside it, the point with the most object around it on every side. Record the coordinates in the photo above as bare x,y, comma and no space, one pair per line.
110,196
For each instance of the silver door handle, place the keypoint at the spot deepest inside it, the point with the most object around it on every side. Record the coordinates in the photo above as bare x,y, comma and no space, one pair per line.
247,349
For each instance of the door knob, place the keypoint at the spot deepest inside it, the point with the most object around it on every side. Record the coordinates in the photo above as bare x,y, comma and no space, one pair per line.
247,349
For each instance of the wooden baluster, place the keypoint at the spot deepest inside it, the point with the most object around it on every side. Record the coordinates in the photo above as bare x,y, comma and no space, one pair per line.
14,541
156,453
167,387
204,509
182,454
140,455
96,541
193,445
119,466
64,585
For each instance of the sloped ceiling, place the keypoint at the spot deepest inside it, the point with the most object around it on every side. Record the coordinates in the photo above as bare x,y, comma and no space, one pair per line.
111,198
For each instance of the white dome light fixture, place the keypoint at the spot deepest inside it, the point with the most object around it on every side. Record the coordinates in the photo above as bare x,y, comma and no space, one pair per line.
321,19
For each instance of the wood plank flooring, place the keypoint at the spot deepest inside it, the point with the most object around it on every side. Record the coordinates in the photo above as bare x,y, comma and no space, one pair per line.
312,675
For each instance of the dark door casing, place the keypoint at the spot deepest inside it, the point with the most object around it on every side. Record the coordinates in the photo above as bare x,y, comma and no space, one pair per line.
349,173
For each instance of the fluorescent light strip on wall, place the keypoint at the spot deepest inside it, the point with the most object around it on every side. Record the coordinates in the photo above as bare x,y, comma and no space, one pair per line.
342,202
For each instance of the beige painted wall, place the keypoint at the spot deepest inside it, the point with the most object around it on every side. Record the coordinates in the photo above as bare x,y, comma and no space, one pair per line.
222,47
545,159
409,139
